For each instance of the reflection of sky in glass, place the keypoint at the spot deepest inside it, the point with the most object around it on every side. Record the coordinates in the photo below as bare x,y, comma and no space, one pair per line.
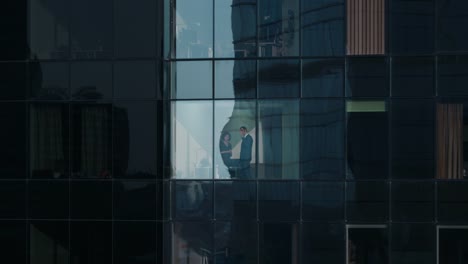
224,87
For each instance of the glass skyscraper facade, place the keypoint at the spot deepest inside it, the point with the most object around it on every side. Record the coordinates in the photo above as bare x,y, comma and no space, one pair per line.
234,131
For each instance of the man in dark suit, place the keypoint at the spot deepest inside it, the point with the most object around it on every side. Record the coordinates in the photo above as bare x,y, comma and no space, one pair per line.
245,153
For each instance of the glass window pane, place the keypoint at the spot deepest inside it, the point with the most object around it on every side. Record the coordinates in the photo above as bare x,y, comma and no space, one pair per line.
49,29
48,199
14,28
236,242
367,77
13,140
13,200
14,241
278,78
452,75
452,201
235,28
278,28
192,200
413,76
91,242
135,79
412,26
412,139
91,80
135,28
91,29
322,78
279,243
413,243
367,201
453,246
413,201
135,242
49,81
322,139
13,80
322,27
367,245
193,29
192,80
91,200
278,201
134,149
235,79
451,21
189,242
367,140
235,200
278,139
322,201
49,242
322,243
135,200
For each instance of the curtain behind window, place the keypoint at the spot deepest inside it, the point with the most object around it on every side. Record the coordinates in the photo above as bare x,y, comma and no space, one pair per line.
449,141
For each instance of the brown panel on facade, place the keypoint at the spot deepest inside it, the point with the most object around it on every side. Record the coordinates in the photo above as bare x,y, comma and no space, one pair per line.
366,27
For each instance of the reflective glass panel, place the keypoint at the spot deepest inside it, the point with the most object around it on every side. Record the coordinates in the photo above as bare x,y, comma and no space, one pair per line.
192,242
192,80
367,77
91,242
453,201
413,76
14,28
322,78
14,241
367,245
49,242
453,245
278,78
413,243
13,80
13,140
13,200
235,200
367,201
135,200
451,21
91,80
322,243
135,79
192,200
279,243
413,201
91,200
236,242
322,201
49,81
48,199
134,242
235,79
278,201
452,75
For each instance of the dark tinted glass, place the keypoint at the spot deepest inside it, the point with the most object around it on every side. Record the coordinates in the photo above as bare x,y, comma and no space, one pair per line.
49,80
13,199
278,28
413,76
235,79
49,29
453,200
367,137
91,242
192,80
413,243
13,80
135,242
367,245
322,139
412,139
367,201
413,201
278,243
278,78
367,77
412,26
235,200
322,27
322,243
192,200
91,80
135,28
49,140
191,242
452,34
134,129
91,200
278,201
14,28
453,246
49,242
91,29
236,242
13,140
13,241
452,75
322,78
322,201
134,79
91,140
48,199
135,200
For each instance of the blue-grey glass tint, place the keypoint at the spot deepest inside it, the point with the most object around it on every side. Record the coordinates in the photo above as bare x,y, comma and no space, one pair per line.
452,201
322,201
236,242
413,201
13,200
235,28
49,29
278,28
14,241
91,200
278,243
189,242
193,29
322,243
367,77
13,80
323,27
448,253
192,200
367,140
278,201
135,242
412,26
13,140
278,139
135,79
91,242
367,245
48,199
91,29
49,80
278,78
452,34
192,80
412,139
235,200
413,76
49,241
235,79
191,140
91,80
134,135
135,200
367,201
322,77
452,75
135,28
413,243
322,139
